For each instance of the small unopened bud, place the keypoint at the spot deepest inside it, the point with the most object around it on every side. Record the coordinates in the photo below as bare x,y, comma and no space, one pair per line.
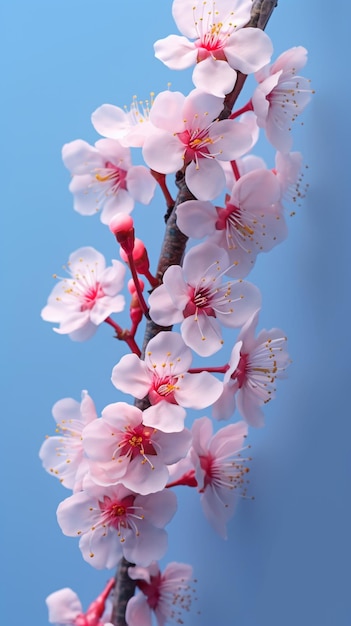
122,226
133,290
140,257
136,315
135,308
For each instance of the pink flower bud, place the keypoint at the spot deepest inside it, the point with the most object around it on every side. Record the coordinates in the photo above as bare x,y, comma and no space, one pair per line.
122,226
140,257
136,315
135,309
132,288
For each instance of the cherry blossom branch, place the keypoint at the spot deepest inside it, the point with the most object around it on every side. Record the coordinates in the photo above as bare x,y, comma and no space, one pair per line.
123,591
261,12
172,253
221,369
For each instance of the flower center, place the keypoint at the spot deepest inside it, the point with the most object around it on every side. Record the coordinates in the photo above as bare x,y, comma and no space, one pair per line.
114,175
120,514
224,474
240,373
231,216
90,296
196,142
118,510
212,29
151,590
212,43
164,389
137,441
199,302
206,466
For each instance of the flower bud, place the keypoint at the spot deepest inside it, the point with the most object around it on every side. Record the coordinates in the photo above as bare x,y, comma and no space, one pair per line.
122,226
140,257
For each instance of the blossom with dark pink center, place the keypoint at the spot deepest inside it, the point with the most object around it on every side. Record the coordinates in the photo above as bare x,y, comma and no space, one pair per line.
254,366
104,178
163,377
167,594
113,522
251,222
197,296
281,96
122,449
219,469
221,45
188,132
84,300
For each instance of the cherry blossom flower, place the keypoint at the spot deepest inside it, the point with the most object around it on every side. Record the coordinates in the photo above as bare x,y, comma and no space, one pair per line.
121,448
63,455
220,47
195,296
164,377
65,608
288,171
113,522
104,178
252,220
83,301
281,96
254,365
288,166
219,469
130,127
188,132
166,594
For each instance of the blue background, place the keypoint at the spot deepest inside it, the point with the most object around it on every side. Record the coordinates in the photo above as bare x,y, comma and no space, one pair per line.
287,560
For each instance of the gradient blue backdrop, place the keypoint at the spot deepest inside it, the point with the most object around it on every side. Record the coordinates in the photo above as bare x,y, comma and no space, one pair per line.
287,561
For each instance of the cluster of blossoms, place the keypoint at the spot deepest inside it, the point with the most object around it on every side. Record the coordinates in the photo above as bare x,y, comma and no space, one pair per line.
121,466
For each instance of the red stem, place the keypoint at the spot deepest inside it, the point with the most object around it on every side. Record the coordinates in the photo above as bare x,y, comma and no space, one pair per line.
188,479
161,179
247,107
235,169
124,335
221,369
154,282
